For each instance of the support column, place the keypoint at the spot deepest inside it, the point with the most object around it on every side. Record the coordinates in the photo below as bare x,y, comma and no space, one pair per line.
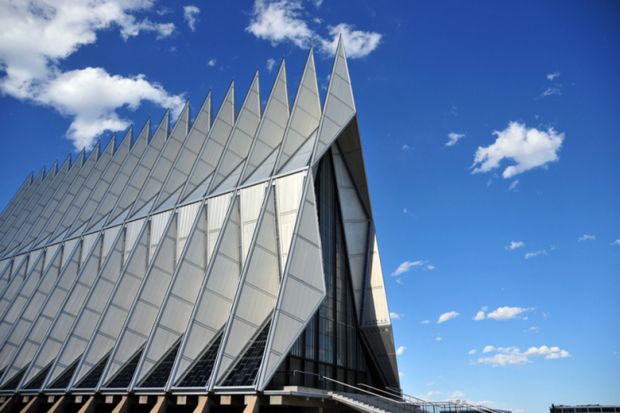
251,404
58,406
160,405
89,406
121,407
7,405
32,405
203,406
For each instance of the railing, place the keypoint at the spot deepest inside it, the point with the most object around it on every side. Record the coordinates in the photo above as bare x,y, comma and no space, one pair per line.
386,398
434,407
377,400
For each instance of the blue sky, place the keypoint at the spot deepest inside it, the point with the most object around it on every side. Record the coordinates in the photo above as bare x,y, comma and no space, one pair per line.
490,132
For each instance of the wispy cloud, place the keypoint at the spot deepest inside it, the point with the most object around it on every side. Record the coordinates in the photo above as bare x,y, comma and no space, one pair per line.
514,245
407,266
284,21
472,351
616,243
555,89
587,237
401,350
513,185
270,64
190,14
447,316
425,322
507,356
405,147
528,148
534,254
212,62
454,137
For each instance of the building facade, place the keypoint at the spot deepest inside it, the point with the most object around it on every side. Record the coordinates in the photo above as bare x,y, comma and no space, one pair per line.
233,257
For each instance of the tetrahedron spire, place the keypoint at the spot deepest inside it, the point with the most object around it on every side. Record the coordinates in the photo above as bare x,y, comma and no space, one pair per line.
339,104
271,128
241,136
210,153
305,115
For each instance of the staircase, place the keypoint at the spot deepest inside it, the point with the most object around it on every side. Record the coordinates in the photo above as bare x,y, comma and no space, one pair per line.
372,404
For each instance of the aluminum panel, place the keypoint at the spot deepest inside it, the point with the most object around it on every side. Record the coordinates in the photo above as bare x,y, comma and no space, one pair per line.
257,293
289,190
251,200
304,116
302,290
215,300
213,146
117,308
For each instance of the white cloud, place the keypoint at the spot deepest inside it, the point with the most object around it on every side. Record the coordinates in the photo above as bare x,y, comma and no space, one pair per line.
406,266
396,316
514,245
438,338
505,356
528,148
190,14
472,351
488,349
616,243
552,76
357,43
283,21
447,316
401,350
91,97
500,313
280,21
533,254
270,64
212,62
454,137
425,322
587,237
38,35
506,313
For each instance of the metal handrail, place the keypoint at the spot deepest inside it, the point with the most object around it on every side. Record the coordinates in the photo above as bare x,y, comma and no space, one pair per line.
349,385
407,399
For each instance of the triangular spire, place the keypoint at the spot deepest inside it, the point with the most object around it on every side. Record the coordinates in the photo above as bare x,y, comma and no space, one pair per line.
144,133
339,104
159,170
305,115
126,142
203,119
161,133
53,169
178,173
181,126
272,126
213,147
66,164
241,137
259,285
